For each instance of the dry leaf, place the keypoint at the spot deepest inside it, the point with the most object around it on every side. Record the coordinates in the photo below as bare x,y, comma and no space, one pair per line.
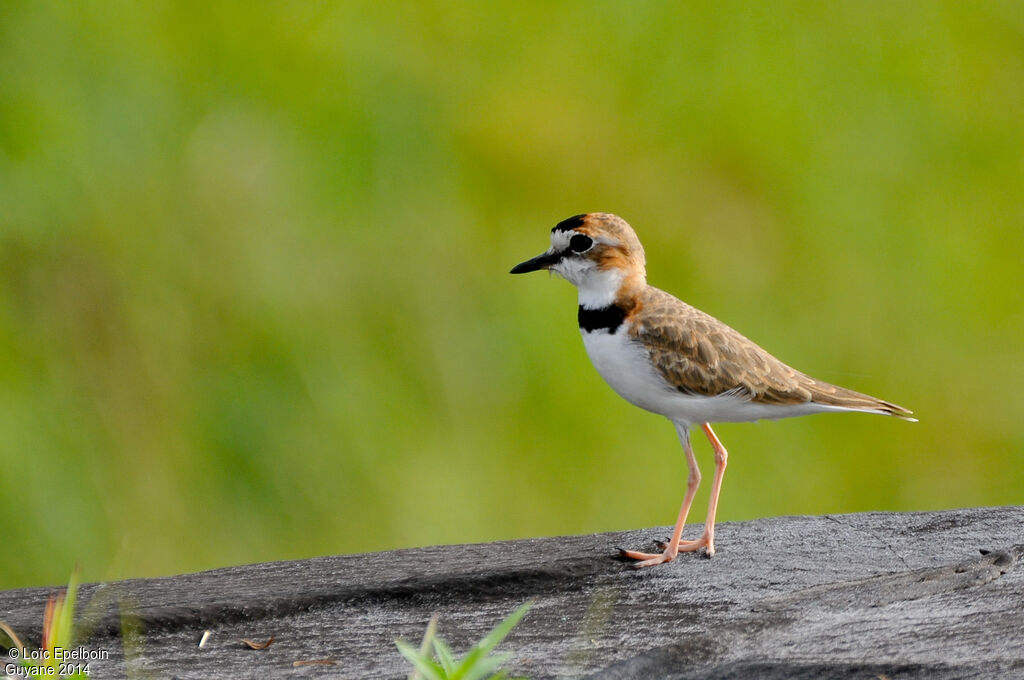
258,645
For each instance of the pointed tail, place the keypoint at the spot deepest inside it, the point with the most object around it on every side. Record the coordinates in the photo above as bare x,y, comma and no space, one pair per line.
833,395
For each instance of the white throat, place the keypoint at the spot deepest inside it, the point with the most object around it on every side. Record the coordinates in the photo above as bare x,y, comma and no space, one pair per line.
599,289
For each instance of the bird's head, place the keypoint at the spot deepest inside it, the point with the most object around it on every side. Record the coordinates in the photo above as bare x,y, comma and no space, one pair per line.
598,253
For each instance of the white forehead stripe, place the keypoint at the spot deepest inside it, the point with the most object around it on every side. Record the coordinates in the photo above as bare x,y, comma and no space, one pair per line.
560,239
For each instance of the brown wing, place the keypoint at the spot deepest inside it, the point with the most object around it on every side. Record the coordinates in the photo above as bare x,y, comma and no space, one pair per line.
700,355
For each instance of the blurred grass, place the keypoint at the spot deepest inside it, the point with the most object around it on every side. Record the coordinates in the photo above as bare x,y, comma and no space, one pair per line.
253,290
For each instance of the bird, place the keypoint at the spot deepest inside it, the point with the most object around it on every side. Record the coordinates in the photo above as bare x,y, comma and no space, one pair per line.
669,358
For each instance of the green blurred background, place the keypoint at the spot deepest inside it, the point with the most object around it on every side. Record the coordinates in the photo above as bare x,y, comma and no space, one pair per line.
254,300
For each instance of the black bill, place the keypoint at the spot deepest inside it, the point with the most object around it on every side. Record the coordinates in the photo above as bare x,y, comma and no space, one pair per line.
542,261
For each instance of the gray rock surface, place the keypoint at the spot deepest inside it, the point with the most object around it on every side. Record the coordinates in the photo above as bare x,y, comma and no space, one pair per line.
872,595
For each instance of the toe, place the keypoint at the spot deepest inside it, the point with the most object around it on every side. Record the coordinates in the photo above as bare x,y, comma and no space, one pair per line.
704,541
655,559
635,555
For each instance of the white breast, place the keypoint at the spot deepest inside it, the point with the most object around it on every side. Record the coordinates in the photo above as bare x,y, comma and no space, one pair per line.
626,367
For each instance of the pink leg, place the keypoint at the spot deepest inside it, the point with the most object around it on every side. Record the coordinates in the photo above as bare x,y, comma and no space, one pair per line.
721,460
676,542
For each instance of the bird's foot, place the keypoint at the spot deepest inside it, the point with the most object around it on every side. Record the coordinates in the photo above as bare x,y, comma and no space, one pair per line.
706,541
669,552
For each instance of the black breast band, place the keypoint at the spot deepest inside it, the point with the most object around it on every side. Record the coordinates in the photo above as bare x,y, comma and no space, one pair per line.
607,318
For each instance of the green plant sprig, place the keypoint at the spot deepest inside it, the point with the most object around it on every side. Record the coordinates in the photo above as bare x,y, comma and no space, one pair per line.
434,660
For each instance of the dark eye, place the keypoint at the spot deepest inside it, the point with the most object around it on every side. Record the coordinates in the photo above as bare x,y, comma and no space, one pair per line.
580,243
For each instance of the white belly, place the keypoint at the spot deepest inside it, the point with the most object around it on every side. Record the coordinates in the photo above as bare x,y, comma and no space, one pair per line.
626,367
